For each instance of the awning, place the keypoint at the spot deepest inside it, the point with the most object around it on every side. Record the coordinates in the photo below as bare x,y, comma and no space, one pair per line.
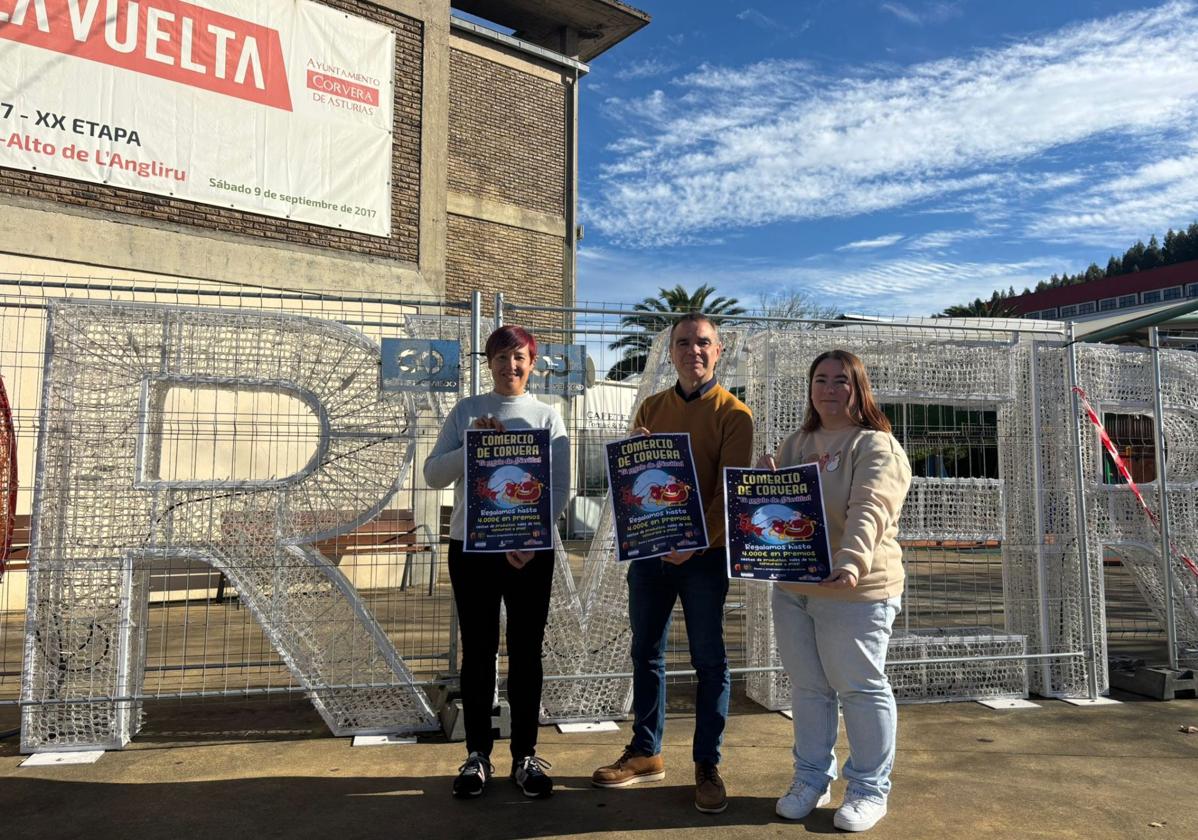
1104,329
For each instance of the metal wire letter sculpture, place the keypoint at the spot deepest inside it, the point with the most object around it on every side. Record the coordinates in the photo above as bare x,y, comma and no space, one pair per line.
101,511
8,476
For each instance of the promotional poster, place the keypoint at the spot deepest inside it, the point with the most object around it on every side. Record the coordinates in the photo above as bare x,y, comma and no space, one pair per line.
655,496
507,490
775,521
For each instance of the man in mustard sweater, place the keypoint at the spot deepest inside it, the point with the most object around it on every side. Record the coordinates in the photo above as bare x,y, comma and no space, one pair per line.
721,431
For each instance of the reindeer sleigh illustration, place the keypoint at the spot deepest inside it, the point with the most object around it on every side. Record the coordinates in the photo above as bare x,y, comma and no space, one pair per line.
510,487
657,489
777,524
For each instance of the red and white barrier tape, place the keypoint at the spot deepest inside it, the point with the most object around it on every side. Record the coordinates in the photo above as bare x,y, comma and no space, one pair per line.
1120,465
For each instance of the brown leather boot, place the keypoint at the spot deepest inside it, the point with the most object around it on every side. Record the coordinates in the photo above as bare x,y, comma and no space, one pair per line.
710,795
630,769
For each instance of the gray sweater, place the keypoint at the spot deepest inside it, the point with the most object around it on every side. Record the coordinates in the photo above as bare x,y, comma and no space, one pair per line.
446,464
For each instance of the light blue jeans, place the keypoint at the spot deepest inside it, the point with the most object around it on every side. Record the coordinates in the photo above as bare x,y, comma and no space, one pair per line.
836,649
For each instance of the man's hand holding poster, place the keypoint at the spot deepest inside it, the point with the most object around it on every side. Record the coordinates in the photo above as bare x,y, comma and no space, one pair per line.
655,496
775,522
507,490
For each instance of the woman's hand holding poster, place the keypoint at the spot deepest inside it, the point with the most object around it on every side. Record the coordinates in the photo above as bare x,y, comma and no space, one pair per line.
655,496
775,521
507,490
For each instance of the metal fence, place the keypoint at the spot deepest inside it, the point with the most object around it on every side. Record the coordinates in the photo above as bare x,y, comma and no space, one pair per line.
1011,531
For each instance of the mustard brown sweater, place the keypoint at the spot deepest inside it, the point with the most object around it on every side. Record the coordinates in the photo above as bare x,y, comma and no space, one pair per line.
865,476
721,430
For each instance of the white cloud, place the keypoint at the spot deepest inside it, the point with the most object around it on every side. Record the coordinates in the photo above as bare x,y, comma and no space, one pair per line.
928,12
770,24
645,69
870,244
853,282
938,240
753,78
1157,196
754,16
901,12
730,147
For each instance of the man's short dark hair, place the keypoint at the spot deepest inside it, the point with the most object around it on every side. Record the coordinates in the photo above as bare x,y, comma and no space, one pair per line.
696,317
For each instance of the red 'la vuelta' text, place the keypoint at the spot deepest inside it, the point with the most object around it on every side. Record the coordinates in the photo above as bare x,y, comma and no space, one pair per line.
180,42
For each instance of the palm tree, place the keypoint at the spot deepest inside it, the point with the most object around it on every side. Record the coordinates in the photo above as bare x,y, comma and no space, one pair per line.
996,307
654,314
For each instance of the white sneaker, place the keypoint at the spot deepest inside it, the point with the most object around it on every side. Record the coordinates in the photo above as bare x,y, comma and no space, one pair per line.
801,800
859,813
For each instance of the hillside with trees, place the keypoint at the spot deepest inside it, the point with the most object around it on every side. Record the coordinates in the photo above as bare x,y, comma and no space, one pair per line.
1179,246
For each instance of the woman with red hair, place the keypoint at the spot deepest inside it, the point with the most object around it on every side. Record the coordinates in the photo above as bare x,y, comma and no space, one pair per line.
521,579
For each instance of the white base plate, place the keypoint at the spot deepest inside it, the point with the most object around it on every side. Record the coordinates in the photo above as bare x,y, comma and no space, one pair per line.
597,726
48,759
787,713
1086,701
1008,703
382,740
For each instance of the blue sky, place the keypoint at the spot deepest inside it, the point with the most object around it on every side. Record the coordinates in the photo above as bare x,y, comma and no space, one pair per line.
884,157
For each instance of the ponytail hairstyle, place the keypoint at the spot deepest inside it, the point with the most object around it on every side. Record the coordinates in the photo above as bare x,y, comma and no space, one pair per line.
862,407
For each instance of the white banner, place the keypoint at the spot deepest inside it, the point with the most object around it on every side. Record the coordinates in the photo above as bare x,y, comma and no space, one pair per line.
279,107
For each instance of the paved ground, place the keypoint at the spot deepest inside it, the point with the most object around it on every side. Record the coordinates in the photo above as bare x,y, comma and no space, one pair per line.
270,769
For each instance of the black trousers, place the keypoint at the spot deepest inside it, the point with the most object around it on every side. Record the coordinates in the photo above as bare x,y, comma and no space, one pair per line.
480,580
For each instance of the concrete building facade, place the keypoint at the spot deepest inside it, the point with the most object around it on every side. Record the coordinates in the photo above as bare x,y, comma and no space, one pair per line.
483,174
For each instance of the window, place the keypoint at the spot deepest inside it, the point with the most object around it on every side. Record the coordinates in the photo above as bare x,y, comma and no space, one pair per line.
1127,300
1135,440
1085,308
1107,304
1173,293
947,441
1048,314
1032,315
1068,311
1192,290
1151,297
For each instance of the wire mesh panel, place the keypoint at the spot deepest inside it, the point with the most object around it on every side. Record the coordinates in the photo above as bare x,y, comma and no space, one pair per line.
1121,384
951,397
1004,568
8,476
1179,432
226,499
228,504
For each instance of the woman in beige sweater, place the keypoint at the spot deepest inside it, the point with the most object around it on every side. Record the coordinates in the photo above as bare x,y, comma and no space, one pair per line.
832,635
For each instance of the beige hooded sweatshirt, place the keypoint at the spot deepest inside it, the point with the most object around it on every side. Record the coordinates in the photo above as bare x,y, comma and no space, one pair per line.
865,476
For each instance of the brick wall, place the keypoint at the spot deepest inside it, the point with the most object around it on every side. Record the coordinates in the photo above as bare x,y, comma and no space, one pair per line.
507,143
405,167
507,134
525,265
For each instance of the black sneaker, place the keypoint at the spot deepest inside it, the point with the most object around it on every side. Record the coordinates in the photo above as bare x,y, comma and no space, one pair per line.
473,775
529,775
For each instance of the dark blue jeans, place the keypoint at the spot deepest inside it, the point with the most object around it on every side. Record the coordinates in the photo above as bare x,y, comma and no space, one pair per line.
653,588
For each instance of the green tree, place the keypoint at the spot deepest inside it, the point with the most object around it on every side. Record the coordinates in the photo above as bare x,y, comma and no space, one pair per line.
1152,255
653,314
1133,257
995,307
1179,246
